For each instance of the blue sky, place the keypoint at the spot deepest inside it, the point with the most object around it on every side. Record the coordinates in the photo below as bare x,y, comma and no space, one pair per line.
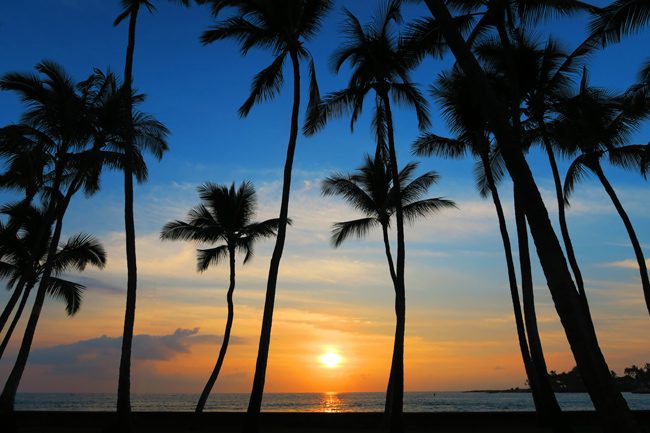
456,269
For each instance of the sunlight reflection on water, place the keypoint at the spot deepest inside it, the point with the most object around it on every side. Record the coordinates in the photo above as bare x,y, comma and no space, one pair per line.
331,402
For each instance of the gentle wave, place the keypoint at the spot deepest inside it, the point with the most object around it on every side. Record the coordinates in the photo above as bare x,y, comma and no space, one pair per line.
315,402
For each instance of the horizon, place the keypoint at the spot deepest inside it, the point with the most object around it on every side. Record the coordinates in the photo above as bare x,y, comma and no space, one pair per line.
460,326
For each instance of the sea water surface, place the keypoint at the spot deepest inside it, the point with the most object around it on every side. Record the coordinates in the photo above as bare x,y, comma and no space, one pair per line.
316,402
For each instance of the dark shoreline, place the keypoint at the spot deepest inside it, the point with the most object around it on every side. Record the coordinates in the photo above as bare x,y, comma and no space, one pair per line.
86,422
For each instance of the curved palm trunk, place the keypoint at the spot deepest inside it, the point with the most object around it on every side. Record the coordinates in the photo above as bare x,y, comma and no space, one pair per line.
15,296
124,380
393,277
612,408
255,402
514,290
226,338
396,378
564,228
8,396
548,409
638,252
14,322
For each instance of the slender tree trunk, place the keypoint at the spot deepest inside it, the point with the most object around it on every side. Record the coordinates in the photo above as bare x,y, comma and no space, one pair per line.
124,380
18,290
638,252
14,322
393,277
396,378
612,408
255,402
8,396
564,228
226,338
529,367
549,410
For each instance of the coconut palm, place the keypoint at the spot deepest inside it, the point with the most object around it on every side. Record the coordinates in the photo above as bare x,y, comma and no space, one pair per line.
620,18
57,124
381,62
598,125
31,258
283,26
454,94
130,10
223,217
24,256
608,401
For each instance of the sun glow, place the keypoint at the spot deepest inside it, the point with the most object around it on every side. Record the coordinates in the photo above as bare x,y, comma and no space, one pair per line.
330,359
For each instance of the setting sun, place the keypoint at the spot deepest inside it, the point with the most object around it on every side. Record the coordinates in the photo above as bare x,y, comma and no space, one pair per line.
330,359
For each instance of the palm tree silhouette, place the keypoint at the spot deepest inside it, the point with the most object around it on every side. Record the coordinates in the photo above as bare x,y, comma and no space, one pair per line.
284,27
610,404
224,216
24,256
32,257
380,62
130,10
594,124
455,96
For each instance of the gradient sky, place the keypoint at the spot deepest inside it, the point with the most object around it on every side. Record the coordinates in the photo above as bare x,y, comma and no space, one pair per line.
460,328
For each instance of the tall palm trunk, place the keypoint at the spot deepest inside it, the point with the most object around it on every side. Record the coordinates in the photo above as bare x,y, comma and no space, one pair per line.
8,396
396,378
531,374
124,381
226,338
15,296
255,402
549,410
612,408
643,269
14,322
393,277
564,228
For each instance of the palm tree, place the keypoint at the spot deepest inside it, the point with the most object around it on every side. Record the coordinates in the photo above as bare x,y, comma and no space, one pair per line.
25,260
283,26
454,94
372,190
381,62
224,216
130,10
620,18
596,125
31,251
610,404
57,124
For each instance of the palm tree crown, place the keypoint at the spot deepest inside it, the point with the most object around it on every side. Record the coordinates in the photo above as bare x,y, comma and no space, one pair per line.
370,190
223,216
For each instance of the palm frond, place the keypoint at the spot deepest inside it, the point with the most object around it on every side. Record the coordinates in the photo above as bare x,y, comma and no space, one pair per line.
424,208
210,256
432,144
266,85
355,228
67,291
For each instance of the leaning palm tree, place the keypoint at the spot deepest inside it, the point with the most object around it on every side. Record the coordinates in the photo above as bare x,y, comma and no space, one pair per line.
454,95
612,408
75,254
381,62
283,26
57,124
598,125
224,216
130,10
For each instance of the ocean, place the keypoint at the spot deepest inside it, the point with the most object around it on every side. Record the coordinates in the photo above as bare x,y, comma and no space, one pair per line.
315,402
